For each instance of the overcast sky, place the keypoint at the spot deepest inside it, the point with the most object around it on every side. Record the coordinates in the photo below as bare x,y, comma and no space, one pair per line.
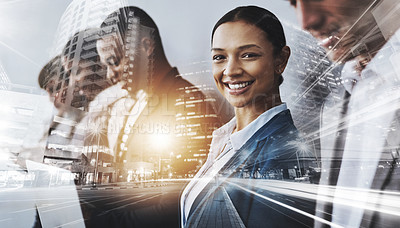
27,30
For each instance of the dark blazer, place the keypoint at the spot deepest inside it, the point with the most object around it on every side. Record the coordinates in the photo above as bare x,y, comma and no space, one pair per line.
272,147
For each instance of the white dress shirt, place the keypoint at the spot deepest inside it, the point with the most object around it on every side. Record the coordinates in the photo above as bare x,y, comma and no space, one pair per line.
118,104
375,97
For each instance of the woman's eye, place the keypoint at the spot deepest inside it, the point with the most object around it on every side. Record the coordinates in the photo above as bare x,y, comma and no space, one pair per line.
250,55
218,57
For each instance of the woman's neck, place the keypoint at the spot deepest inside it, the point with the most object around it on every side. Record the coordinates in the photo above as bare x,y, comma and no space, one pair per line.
246,115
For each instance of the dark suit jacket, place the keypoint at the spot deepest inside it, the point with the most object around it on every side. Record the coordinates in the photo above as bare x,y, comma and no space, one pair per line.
272,147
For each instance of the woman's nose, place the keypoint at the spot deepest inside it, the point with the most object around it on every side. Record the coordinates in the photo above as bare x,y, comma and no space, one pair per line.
233,68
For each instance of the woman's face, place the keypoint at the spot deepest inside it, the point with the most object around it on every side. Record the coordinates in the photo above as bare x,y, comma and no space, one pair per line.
243,64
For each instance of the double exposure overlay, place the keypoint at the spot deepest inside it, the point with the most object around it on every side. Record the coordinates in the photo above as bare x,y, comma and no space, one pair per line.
135,113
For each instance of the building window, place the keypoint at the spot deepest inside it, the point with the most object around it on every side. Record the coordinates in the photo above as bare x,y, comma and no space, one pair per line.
67,74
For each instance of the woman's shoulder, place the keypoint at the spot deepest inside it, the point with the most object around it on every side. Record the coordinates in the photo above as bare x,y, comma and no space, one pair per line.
281,124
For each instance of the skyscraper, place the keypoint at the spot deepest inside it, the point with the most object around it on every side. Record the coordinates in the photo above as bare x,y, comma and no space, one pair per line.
196,120
80,15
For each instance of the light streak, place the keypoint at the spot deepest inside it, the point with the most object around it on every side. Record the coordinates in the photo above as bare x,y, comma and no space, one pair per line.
20,54
148,198
288,207
130,198
349,197
365,113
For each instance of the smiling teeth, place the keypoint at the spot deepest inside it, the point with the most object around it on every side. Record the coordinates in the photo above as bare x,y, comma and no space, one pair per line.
238,86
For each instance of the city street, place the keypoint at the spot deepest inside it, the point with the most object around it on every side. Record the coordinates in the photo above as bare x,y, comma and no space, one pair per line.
132,205
278,203
57,206
156,204
292,204
125,205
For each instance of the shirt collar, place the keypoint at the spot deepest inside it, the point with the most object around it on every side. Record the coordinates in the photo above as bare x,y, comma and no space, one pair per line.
350,76
225,131
107,97
238,139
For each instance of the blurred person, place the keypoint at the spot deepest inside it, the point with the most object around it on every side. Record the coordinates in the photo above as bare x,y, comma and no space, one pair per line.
73,79
249,55
139,110
363,160
47,80
39,189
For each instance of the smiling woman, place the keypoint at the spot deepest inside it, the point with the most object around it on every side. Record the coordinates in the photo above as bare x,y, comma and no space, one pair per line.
244,66
249,54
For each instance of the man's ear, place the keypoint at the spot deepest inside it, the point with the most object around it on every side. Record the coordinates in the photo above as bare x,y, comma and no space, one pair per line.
148,45
281,60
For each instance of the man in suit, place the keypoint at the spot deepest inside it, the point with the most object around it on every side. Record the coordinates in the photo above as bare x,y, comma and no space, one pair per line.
364,35
139,111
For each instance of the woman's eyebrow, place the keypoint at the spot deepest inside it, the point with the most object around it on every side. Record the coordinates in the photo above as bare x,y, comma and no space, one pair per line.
247,46
217,49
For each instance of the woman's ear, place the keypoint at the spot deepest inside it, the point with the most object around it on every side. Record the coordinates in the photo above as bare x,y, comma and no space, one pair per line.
148,45
281,60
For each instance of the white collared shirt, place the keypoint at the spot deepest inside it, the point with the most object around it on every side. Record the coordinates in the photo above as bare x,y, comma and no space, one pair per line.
116,101
375,97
